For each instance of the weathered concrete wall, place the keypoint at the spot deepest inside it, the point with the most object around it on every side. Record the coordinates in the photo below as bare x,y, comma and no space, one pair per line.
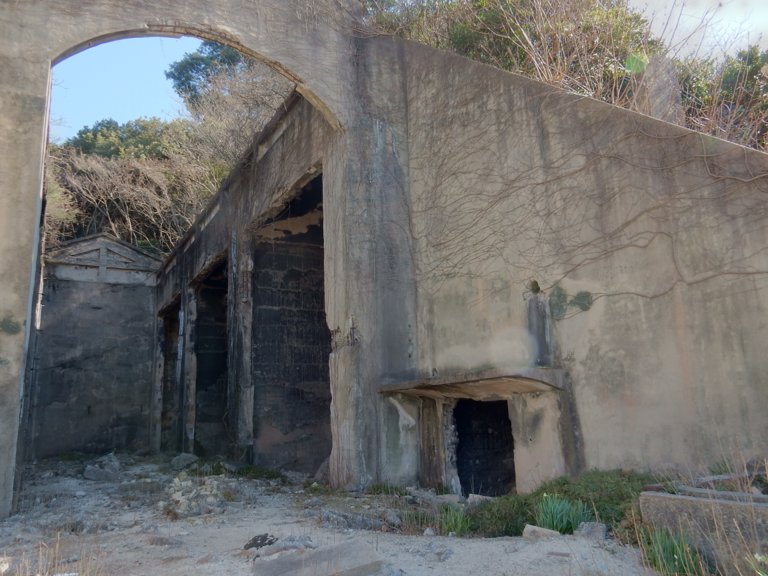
647,239
92,392
91,372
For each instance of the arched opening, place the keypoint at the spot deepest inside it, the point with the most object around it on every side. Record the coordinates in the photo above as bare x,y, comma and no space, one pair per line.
199,348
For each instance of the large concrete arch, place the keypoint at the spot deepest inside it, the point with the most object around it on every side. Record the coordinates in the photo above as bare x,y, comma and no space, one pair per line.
314,44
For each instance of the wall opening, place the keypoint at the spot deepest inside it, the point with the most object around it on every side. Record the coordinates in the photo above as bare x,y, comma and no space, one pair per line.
291,340
170,416
211,426
485,456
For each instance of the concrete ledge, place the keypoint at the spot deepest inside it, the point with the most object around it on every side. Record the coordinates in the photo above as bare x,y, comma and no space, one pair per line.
482,385
353,558
725,531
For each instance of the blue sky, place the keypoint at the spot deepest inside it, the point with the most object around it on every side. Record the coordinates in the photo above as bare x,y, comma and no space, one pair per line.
122,80
125,79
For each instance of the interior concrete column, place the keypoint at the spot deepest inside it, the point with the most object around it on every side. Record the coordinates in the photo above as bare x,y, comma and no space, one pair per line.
23,125
187,319
240,322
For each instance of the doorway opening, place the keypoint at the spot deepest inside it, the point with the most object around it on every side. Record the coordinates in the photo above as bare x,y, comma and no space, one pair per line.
170,416
211,429
291,339
485,454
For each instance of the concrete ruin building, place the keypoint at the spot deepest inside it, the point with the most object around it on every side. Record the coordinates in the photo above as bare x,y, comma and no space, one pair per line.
426,269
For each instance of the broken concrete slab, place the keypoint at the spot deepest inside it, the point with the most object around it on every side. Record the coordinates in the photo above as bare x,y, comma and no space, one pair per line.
103,469
351,558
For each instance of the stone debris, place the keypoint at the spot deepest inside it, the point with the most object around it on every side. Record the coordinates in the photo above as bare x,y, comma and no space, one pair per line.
183,460
190,496
429,532
428,497
536,532
391,518
351,558
475,499
104,469
592,531
260,541
350,521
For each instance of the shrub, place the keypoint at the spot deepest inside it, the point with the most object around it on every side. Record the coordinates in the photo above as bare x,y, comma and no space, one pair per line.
609,493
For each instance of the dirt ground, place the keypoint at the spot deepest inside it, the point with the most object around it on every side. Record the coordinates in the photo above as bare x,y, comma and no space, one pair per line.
146,519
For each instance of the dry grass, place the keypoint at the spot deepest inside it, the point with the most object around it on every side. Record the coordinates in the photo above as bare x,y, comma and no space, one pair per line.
53,559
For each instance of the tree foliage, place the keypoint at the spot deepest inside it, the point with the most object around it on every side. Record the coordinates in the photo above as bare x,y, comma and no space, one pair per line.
597,48
140,138
146,180
147,201
192,74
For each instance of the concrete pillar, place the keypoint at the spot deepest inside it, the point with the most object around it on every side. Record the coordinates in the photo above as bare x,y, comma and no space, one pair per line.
240,323
188,358
156,400
23,124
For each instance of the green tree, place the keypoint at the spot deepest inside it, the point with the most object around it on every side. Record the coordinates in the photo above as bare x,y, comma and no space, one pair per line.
192,74
140,138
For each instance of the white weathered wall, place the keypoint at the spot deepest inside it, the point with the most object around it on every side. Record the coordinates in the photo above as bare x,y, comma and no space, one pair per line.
667,231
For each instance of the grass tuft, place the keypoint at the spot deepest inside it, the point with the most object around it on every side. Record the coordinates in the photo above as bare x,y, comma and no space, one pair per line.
386,490
454,520
559,514
670,554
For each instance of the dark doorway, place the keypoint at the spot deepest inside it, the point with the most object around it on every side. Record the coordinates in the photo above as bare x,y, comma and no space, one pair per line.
485,455
291,340
170,417
211,437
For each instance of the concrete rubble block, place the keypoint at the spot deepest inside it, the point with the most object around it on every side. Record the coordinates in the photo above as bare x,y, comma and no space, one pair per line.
287,544
391,518
592,531
104,469
351,558
536,532
183,460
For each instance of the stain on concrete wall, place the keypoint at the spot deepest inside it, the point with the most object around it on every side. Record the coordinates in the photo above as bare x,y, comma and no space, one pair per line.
9,325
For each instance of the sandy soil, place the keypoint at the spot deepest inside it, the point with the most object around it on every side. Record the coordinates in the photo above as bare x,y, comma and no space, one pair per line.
147,523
